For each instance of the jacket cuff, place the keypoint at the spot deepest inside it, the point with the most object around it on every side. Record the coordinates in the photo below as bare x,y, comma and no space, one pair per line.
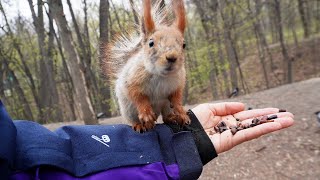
204,145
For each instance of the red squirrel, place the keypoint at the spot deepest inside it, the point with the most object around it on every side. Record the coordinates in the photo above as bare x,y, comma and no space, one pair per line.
149,68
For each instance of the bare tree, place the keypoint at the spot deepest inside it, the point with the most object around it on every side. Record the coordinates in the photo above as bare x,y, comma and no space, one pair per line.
288,62
85,54
22,57
208,34
66,75
82,99
317,15
304,18
49,99
116,14
260,38
2,88
229,45
135,13
27,113
104,39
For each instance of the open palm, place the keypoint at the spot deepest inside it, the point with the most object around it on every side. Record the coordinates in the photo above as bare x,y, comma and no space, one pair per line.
210,115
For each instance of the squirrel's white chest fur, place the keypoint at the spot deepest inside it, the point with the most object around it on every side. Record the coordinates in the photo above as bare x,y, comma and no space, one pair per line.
157,88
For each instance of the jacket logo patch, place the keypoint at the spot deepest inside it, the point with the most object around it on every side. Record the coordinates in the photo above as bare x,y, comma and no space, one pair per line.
104,139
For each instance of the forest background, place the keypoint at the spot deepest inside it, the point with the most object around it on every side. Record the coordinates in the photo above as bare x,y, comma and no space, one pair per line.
50,52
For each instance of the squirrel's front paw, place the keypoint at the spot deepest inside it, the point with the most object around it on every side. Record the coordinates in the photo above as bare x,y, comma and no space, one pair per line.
147,121
178,117
140,128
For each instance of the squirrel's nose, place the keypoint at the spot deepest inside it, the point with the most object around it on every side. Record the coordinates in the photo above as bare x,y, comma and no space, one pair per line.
171,59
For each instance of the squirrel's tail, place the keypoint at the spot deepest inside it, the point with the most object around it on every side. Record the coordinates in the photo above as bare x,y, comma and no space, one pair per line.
126,44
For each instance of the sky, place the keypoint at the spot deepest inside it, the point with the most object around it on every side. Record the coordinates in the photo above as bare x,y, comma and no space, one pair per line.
13,7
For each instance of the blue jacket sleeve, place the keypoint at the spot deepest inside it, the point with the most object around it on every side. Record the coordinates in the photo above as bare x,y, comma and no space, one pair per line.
86,149
7,143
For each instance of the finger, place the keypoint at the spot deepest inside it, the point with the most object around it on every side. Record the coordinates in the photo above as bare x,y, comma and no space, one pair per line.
262,129
279,115
226,108
255,113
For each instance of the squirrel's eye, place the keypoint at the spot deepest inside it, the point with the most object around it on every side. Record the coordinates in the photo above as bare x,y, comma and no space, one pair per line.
184,45
151,43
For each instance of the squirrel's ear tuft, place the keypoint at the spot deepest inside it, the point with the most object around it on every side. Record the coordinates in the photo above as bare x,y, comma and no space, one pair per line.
148,23
180,14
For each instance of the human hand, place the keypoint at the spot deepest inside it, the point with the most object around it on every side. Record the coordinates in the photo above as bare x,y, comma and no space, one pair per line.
210,115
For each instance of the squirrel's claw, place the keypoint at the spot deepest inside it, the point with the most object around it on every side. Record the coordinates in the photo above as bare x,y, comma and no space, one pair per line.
138,128
182,117
147,117
147,121
178,117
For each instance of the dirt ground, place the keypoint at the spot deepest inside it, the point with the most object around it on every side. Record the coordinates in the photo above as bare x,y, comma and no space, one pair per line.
293,153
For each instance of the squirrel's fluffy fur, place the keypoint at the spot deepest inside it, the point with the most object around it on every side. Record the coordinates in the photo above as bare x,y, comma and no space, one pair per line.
149,67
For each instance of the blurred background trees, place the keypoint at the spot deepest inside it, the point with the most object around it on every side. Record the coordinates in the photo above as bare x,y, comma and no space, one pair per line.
49,62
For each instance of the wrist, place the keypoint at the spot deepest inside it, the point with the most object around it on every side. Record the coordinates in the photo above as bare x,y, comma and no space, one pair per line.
204,144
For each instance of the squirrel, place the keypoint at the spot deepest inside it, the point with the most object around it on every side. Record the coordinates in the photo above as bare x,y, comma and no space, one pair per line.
149,67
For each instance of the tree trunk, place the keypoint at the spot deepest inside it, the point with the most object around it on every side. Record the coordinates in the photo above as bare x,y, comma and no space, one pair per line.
304,19
66,75
82,100
194,63
82,50
85,55
53,104
228,45
27,113
260,39
2,88
162,3
25,67
208,35
224,69
104,39
116,14
261,34
318,16
221,58
69,86
49,98
262,58
288,63
272,23
86,34
135,13
189,80
292,26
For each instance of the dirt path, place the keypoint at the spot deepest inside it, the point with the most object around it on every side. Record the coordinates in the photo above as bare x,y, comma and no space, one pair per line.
293,153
